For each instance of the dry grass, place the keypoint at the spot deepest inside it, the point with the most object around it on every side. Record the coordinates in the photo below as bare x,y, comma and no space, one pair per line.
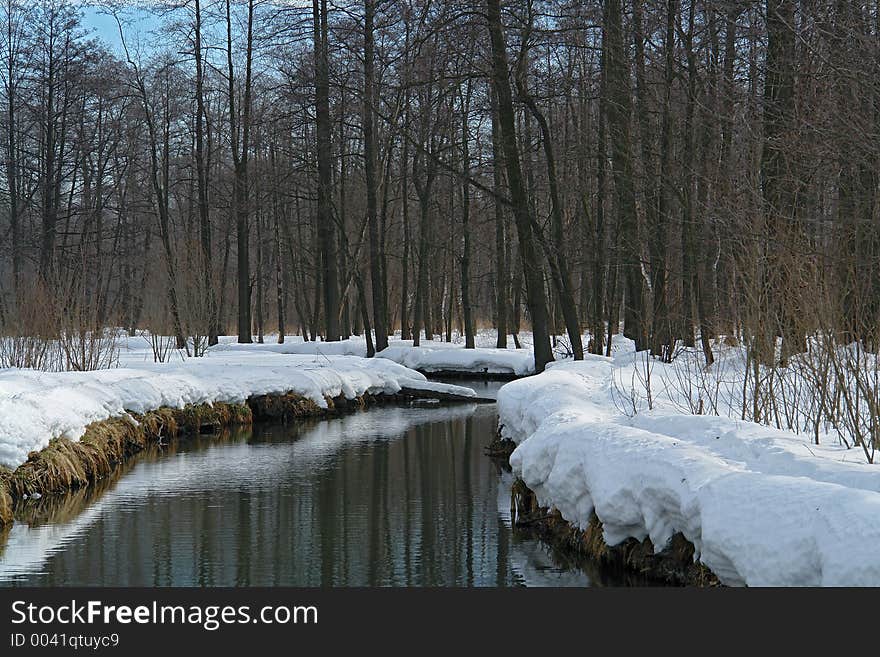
4,535
61,465
64,508
160,424
283,407
197,418
66,464
5,498
593,539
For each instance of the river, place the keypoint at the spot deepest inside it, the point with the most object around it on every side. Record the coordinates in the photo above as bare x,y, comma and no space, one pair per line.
390,496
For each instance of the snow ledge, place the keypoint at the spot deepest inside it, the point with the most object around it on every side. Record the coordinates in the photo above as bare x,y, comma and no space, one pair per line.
759,509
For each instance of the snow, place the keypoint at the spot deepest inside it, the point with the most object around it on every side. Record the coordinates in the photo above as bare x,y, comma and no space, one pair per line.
433,386
431,356
763,507
352,347
520,362
38,406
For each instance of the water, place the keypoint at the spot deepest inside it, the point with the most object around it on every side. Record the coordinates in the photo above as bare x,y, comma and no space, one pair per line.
398,496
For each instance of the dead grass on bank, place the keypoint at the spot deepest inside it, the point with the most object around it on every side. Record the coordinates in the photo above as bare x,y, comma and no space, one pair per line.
5,497
66,464
206,418
65,508
4,535
284,407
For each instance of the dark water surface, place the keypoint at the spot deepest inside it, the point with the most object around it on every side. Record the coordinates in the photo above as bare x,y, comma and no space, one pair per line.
397,496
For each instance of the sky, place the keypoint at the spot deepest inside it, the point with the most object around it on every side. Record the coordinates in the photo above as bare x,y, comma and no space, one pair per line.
139,30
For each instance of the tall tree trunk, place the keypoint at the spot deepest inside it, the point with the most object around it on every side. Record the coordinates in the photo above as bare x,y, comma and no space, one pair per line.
48,174
405,333
502,294
202,185
776,178
656,181
599,259
536,301
342,259
159,177
13,39
618,108
240,134
279,276
466,309
555,251
379,312
326,226
422,308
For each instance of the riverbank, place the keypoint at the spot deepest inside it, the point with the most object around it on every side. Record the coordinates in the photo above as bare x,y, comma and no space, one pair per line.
395,495
673,564
60,431
745,504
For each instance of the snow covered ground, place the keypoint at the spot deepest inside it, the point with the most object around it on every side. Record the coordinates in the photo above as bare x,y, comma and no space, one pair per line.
430,356
38,406
435,358
762,506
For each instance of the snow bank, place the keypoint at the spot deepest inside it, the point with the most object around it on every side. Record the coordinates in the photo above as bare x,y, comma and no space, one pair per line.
762,507
520,362
432,356
36,406
354,346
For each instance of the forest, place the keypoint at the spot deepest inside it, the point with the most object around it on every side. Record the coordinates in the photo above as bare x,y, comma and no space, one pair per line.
633,245
681,171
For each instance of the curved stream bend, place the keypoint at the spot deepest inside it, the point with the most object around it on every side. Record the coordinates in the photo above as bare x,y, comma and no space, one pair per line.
399,496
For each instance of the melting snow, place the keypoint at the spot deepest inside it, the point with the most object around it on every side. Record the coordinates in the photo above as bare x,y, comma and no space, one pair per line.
763,507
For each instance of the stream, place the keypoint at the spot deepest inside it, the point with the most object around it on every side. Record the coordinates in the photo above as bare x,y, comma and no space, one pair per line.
390,496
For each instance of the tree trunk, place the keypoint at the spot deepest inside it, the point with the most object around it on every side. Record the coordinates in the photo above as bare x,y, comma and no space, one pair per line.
379,311
405,333
466,309
202,185
326,227
776,178
536,301
599,259
618,109
240,135
502,296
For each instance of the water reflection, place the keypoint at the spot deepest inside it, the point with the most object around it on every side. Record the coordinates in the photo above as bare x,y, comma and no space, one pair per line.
386,497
